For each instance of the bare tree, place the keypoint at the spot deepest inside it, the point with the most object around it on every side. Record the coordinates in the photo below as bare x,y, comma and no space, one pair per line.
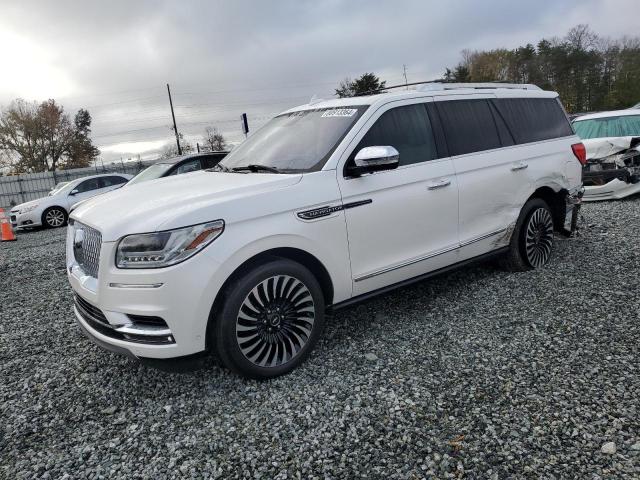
170,150
345,89
581,37
213,140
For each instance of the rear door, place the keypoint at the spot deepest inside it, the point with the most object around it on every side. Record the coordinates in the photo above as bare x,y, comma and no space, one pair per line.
541,128
401,223
490,169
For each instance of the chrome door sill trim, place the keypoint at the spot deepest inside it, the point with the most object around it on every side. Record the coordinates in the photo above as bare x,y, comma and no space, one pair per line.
483,237
136,285
427,257
405,264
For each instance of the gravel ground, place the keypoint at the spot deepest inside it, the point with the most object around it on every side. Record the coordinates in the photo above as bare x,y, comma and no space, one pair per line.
475,374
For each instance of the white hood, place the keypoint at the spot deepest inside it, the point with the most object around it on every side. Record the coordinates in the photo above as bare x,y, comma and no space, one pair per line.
27,204
179,201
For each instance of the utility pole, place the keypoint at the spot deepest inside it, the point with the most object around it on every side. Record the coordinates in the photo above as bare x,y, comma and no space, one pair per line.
173,116
404,72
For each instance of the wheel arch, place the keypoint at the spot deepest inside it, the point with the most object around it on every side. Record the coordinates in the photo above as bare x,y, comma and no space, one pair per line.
44,212
556,200
311,262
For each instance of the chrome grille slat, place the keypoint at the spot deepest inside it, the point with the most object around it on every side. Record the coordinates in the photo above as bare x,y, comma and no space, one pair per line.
88,257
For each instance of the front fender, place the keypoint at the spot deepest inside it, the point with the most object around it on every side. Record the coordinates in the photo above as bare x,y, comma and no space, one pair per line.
325,240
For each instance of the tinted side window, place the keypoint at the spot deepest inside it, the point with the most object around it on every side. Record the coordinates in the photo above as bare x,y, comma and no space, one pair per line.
187,167
469,126
87,185
407,129
533,119
211,160
111,181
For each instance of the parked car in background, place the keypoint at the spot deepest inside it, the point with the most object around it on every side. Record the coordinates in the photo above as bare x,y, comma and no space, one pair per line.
612,142
53,210
179,165
327,204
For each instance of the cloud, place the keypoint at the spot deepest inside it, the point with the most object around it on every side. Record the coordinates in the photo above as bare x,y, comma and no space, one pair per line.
225,58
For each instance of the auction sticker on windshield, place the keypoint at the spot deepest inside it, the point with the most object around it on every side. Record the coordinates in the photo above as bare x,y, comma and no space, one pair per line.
340,112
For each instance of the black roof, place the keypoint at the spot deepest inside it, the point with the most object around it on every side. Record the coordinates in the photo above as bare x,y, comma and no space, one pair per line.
188,156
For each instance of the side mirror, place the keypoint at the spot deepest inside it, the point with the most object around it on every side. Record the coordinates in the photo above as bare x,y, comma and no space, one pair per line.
375,159
73,192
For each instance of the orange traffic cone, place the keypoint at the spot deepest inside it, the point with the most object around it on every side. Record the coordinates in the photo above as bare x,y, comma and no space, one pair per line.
6,232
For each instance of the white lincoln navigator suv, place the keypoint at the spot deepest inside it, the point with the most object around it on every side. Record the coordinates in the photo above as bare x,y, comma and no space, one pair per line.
329,203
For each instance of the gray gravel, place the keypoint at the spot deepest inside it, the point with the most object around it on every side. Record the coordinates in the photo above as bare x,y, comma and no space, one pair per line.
476,374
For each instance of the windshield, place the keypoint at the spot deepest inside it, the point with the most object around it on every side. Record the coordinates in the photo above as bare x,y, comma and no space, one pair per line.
624,126
295,142
151,173
66,188
58,186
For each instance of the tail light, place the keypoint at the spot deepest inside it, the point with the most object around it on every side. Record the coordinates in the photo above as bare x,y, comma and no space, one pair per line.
580,152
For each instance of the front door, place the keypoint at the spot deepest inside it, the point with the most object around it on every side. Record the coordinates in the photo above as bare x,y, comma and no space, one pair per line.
401,223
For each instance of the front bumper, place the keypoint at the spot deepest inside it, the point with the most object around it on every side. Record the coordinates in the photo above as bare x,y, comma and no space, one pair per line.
612,190
25,220
115,308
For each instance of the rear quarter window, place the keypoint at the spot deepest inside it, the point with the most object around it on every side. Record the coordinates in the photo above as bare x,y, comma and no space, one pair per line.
533,119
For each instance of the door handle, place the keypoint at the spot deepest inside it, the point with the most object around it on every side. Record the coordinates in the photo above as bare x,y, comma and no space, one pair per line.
519,166
445,182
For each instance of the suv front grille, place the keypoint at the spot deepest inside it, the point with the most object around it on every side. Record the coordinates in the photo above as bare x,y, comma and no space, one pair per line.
87,242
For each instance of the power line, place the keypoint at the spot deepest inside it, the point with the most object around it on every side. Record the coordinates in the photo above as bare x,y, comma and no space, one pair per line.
168,127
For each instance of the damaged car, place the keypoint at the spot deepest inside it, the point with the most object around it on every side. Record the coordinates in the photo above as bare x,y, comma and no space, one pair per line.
612,143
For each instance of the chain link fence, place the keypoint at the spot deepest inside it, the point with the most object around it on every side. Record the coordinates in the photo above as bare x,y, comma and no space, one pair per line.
16,189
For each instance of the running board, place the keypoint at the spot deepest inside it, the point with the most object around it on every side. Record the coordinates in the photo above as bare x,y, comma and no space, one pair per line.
424,276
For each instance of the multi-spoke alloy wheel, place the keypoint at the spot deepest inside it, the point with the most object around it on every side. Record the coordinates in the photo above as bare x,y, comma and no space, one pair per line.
54,218
275,321
539,237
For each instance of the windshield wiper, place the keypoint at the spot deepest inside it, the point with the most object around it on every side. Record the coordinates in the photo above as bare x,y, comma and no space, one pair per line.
254,167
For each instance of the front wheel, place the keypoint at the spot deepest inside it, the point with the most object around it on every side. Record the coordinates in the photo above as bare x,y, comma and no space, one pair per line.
271,318
532,239
54,217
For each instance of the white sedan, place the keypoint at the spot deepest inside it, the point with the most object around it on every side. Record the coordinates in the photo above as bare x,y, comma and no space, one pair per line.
53,210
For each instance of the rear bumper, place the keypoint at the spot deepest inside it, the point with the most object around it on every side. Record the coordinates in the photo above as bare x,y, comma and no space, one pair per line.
572,208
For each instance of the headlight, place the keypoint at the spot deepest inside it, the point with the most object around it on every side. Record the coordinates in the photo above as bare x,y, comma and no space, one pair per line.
29,208
162,249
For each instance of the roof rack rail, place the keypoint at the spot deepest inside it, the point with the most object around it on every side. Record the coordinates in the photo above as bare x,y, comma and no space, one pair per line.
435,85
429,86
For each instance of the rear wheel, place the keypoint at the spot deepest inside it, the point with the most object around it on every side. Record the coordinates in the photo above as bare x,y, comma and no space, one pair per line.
271,318
532,239
54,217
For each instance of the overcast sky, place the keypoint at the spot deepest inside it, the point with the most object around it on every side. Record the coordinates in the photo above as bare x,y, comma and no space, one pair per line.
224,58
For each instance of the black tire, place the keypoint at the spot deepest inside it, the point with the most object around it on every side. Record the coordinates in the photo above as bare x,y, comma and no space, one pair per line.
255,332
532,239
54,217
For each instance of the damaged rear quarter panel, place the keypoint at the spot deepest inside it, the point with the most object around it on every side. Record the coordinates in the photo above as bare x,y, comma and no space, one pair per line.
493,189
